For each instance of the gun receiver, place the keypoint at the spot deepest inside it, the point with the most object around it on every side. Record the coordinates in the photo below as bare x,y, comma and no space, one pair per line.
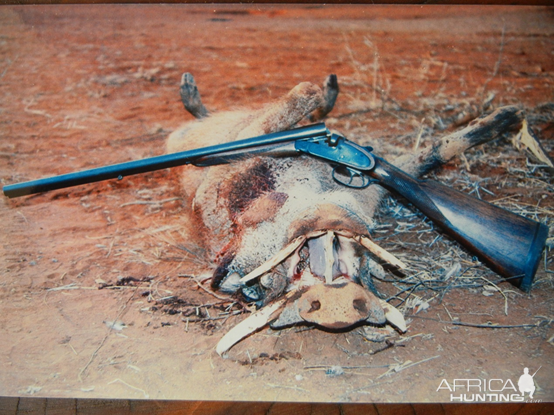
508,243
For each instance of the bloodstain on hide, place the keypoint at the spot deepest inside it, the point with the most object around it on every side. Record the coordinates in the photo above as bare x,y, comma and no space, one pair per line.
246,187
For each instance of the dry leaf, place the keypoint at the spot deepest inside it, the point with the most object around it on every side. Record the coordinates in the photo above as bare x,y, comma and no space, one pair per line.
527,141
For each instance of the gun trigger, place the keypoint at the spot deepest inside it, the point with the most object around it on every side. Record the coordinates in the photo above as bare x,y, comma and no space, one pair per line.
349,177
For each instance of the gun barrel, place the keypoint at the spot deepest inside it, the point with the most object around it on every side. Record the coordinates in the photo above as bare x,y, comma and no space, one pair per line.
118,171
536,371
508,243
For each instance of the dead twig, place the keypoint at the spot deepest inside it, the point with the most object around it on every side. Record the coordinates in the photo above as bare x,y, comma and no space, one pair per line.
407,364
501,292
271,385
478,325
110,329
219,297
220,317
150,202
496,66
389,345
130,386
489,325
326,367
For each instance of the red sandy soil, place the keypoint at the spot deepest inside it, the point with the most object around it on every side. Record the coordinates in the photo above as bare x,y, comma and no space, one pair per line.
86,86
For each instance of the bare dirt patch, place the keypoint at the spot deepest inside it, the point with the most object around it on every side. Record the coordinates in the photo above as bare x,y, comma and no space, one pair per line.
95,294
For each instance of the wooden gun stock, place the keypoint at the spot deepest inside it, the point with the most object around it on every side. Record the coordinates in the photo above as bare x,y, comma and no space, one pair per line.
508,243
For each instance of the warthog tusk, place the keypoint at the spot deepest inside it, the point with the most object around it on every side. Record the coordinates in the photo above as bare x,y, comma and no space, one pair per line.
281,256
276,260
394,316
263,316
329,259
380,252
300,240
248,326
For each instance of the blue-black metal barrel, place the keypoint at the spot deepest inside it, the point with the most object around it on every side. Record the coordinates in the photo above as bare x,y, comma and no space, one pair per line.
118,171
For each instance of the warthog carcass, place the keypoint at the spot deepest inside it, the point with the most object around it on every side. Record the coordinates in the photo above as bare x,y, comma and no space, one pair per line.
288,213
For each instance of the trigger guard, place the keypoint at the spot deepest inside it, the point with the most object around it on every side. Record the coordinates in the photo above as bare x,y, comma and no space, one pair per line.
366,181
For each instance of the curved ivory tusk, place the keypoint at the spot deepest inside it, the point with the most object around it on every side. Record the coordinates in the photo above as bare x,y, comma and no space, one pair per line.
248,326
276,260
281,255
394,316
380,252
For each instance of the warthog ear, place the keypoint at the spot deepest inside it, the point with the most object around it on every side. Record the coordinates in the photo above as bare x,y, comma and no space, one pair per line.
191,97
330,93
